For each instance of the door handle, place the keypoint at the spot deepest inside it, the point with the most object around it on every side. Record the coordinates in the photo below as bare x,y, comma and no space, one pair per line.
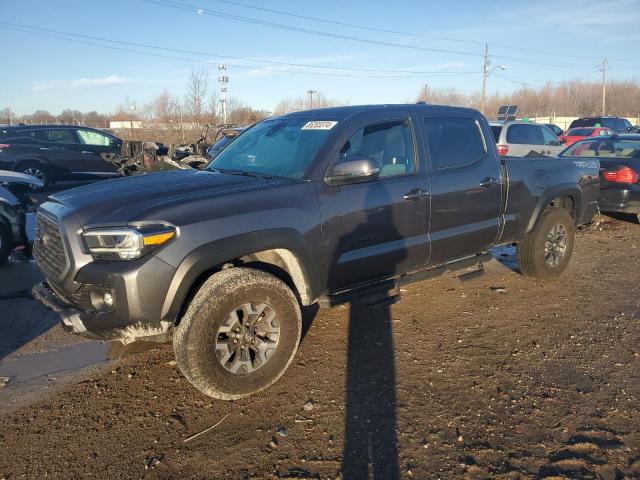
416,194
86,152
45,148
488,181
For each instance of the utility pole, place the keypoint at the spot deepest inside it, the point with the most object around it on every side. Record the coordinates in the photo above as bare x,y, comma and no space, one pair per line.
311,92
605,67
485,75
223,80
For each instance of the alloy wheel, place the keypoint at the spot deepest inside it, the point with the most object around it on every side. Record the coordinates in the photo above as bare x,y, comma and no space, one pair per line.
247,339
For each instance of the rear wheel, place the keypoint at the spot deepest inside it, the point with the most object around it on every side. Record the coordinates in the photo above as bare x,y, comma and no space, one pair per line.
239,334
38,170
546,250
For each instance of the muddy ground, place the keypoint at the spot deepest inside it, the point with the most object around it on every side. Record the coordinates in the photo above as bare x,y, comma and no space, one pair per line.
500,377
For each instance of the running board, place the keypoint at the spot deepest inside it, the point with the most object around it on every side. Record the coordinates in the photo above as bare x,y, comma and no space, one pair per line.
388,290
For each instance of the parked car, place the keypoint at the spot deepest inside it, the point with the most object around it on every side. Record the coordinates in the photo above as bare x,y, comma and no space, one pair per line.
575,134
318,206
227,136
619,158
518,138
58,152
16,210
554,128
617,124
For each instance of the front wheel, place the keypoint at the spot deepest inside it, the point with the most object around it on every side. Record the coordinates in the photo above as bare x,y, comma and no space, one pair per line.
546,250
239,334
36,169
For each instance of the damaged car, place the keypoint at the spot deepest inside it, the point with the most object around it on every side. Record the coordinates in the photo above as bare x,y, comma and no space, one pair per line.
17,212
58,152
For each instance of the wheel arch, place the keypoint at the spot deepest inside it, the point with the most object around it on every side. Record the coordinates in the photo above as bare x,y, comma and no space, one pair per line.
278,253
566,196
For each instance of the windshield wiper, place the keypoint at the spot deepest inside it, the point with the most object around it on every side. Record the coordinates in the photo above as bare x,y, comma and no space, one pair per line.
246,173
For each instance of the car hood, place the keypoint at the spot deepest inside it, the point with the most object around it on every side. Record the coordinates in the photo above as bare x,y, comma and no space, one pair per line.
123,200
7,176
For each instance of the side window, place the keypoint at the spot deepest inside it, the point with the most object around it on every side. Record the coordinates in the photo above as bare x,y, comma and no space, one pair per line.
549,137
517,134
388,144
89,137
56,136
453,142
533,134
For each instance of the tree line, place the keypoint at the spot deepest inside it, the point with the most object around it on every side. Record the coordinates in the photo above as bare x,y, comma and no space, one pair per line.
574,98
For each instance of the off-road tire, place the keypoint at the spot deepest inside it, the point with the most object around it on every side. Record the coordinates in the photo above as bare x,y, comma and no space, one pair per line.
194,340
44,175
6,242
531,251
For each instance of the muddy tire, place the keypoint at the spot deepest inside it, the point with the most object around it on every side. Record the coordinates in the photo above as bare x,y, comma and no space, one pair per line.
546,250
239,334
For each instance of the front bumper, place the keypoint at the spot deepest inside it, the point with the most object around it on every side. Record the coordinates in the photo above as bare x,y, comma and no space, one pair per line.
138,289
624,199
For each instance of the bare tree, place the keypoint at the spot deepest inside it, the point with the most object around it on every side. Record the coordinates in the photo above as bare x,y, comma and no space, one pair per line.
294,104
196,96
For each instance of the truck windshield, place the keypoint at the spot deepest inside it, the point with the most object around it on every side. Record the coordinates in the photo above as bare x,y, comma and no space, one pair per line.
281,147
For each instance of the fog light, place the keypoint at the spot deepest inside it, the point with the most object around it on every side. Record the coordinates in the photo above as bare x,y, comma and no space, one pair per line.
107,299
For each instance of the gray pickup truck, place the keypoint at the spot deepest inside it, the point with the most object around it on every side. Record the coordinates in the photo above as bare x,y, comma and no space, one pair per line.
320,206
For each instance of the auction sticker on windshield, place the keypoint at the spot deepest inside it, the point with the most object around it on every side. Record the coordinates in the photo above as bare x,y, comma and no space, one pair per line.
319,125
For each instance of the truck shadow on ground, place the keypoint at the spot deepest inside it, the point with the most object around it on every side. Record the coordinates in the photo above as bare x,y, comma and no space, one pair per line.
370,440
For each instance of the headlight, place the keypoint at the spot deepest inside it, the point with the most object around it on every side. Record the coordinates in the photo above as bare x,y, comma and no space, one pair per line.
126,243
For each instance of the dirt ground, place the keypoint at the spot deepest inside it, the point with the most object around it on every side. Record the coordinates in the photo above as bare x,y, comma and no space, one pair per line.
500,377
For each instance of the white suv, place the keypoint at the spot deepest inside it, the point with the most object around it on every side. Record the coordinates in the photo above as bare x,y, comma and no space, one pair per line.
518,138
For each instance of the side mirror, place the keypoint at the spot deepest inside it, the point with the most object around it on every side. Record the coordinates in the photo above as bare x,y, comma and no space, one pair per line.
352,169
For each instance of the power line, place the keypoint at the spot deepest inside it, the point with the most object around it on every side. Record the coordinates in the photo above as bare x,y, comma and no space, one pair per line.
221,56
256,21
404,33
25,29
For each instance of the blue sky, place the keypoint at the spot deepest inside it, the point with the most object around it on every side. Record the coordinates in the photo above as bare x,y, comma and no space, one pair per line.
52,74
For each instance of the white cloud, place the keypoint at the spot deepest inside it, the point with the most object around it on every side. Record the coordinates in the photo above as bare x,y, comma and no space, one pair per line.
82,83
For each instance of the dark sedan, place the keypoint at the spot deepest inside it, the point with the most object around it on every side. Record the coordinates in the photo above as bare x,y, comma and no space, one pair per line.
619,157
58,152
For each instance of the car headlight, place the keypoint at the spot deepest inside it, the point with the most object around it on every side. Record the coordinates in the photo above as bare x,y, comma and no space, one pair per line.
126,243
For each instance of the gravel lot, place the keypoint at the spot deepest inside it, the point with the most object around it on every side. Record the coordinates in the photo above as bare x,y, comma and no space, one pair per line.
500,377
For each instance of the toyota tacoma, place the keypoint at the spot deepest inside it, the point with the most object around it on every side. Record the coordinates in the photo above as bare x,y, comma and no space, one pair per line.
321,206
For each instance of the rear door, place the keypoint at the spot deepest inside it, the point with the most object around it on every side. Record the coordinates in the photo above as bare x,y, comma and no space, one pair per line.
516,139
59,148
466,187
377,229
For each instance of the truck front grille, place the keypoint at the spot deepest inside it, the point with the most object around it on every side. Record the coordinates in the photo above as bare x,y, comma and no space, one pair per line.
48,248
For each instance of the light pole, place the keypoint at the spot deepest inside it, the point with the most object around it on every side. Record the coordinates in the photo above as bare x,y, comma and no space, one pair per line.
133,110
311,92
223,80
485,75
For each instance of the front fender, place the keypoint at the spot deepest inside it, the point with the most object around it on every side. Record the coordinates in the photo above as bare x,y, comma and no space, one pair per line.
214,254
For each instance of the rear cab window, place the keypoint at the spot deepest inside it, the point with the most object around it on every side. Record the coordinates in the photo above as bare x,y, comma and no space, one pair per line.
453,142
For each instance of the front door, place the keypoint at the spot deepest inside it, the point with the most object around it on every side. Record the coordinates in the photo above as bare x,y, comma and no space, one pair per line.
377,229
89,150
466,187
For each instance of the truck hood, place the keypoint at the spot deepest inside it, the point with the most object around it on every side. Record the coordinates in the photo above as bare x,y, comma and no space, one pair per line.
120,201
